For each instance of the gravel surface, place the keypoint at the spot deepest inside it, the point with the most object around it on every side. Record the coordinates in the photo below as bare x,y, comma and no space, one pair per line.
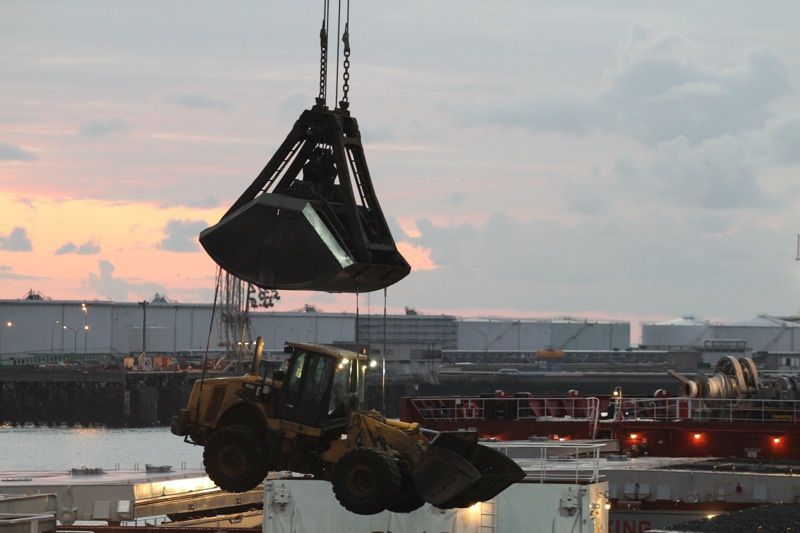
771,519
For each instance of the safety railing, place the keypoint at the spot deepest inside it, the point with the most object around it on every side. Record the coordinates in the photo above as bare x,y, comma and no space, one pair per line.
514,408
557,462
469,410
702,409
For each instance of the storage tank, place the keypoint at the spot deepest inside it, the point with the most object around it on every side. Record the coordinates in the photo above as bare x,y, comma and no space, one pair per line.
561,334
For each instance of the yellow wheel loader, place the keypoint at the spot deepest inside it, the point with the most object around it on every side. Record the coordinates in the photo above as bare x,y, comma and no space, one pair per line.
307,419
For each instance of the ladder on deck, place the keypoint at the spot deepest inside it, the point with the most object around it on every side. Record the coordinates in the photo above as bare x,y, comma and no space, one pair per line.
488,512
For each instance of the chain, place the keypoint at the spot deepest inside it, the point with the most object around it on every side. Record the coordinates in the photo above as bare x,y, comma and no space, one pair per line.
323,53
346,64
323,63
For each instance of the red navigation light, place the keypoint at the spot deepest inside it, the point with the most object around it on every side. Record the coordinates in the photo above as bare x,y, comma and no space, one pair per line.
633,436
697,437
776,441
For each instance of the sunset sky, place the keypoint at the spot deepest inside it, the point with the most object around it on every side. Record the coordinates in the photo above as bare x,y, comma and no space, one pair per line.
633,160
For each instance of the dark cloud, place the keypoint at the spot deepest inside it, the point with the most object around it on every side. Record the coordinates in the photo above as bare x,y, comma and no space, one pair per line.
784,139
456,198
66,248
714,174
9,152
106,284
87,248
181,235
658,93
197,101
102,128
661,98
7,272
16,241
659,262
397,231
118,289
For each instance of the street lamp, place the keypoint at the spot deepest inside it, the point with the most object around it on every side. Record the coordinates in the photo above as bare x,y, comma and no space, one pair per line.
52,335
74,338
9,324
85,311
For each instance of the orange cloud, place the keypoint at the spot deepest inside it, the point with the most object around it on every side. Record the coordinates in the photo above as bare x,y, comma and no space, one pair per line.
125,234
418,257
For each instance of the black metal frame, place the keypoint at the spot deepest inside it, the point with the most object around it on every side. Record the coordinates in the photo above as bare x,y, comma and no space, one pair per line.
351,211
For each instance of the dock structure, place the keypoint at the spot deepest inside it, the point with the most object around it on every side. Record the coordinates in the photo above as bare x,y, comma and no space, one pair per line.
117,496
75,396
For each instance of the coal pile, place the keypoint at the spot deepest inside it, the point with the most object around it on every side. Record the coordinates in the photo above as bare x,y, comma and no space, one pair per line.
771,466
770,518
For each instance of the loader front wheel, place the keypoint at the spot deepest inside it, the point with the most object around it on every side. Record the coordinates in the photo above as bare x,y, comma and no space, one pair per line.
408,500
365,481
234,458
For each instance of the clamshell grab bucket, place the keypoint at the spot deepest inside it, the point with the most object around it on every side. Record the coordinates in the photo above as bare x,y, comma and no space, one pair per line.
300,224
280,242
457,472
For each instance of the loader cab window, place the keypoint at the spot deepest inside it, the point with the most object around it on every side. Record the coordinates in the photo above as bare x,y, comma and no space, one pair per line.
337,406
305,394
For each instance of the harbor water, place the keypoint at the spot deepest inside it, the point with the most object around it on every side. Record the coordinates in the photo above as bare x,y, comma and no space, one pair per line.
38,448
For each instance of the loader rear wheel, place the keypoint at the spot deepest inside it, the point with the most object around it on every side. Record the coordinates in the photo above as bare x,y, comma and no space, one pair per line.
365,481
234,458
408,500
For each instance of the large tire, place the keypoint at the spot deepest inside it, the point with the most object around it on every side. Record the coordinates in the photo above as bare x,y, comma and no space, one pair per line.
365,481
234,458
408,500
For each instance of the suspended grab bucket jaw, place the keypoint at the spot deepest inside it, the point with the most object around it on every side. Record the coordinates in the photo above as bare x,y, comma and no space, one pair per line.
457,472
275,240
311,219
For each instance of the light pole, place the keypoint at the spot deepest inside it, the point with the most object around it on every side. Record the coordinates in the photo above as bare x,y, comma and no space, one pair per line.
52,336
85,311
74,338
8,325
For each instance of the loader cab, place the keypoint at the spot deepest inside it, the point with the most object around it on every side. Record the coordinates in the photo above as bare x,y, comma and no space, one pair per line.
316,386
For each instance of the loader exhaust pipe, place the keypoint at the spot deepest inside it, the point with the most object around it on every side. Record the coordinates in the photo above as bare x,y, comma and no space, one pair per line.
257,354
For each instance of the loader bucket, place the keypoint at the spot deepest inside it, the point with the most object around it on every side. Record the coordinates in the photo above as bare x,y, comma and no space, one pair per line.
457,472
279,242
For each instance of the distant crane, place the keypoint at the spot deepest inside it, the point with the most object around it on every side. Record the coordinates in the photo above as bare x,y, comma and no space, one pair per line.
236,299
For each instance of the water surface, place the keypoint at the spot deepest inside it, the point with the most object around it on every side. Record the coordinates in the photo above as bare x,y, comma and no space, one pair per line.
39,448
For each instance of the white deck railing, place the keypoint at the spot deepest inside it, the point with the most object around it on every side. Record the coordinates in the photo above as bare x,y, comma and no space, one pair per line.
701,409
557,462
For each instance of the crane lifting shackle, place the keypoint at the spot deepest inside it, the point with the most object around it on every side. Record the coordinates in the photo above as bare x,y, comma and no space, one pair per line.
311,219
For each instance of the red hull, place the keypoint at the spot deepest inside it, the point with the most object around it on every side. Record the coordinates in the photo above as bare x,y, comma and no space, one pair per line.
664,427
